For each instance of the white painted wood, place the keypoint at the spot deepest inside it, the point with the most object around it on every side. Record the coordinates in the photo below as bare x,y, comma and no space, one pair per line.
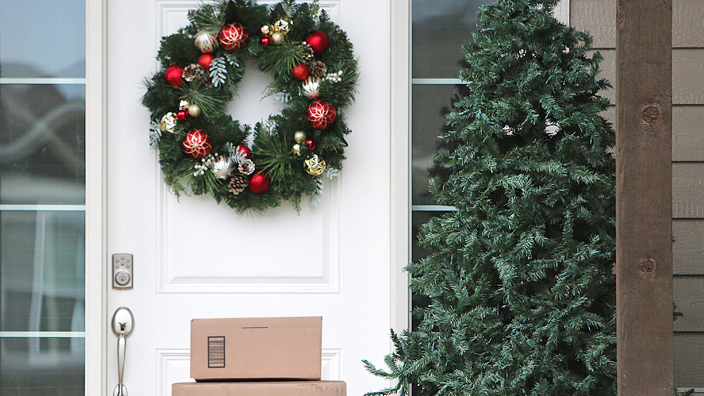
96,101
196,259
400,76
562,11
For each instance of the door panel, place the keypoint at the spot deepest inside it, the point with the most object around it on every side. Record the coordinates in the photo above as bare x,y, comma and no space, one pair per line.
196,259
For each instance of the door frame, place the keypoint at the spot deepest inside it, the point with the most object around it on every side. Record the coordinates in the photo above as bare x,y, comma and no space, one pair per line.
96,204
96,284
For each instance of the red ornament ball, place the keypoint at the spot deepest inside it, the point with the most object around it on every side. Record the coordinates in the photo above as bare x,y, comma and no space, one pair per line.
197,143
204,60
182,115
318,40
321,114
174,75
259,182
301,71
244,151
233,36
311,144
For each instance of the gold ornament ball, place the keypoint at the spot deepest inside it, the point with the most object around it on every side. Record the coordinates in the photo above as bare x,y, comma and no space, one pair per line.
193,110
299,136
168,122
277,38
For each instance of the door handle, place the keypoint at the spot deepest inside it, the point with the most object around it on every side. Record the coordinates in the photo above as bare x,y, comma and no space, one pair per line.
122,326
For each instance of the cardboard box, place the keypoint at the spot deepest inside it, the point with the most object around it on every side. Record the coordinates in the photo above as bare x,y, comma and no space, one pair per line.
256,348
266,388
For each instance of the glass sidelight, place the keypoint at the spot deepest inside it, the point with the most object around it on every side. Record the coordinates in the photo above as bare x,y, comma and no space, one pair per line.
42,197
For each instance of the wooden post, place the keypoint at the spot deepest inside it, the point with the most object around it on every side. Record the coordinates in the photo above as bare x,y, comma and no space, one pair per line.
644,197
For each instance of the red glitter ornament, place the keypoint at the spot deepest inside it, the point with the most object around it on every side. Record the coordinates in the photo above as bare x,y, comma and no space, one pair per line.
197,143
266,40
259,182
301,71
318,41
233,36
174,75
182,115
204,60
321,114
244,151
310,144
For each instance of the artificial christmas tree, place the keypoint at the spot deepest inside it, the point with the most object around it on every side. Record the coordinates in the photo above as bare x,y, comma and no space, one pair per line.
519,278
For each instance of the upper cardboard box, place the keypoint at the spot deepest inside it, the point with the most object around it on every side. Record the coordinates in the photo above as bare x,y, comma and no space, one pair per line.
256,348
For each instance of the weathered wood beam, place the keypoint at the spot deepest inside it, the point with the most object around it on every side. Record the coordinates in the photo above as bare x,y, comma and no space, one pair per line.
644,197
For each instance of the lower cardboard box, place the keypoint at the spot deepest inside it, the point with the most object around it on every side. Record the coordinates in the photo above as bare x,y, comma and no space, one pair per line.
263,388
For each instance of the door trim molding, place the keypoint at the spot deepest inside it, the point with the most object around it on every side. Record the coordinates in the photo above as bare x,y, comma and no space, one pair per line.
400,220
96,185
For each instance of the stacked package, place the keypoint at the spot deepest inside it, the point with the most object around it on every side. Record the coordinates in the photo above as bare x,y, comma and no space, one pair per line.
257,357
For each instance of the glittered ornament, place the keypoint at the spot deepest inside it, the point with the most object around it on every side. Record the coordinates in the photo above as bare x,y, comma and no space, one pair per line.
277,38
318,69
243,151
168,122
300,72
182,115
205,60
183,104
266,41
296,149
222,168
238,183
193,110
299,136
311,88
266,29
197,143
233,36
206,42
315,165
310,144
283,25
259,183
321,114
174,75
318,40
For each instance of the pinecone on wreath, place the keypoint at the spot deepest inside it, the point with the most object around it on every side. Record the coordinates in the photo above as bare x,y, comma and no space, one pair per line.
238,183
192,72
308,54
318,69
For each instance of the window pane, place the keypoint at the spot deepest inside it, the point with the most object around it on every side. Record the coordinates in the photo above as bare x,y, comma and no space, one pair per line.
42,271
42,144
430,104
440,27
42,38
42,366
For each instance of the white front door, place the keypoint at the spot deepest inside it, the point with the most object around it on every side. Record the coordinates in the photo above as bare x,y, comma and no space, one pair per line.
196,259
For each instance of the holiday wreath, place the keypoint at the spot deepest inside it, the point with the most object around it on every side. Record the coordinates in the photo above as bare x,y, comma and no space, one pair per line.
202,150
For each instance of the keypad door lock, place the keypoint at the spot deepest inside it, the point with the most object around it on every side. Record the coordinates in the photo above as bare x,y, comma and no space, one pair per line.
122,271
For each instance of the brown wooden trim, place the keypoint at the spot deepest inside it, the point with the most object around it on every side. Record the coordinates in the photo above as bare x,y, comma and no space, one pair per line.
644,197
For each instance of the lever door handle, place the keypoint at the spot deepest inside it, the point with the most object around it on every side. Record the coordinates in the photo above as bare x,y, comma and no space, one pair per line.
122,326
